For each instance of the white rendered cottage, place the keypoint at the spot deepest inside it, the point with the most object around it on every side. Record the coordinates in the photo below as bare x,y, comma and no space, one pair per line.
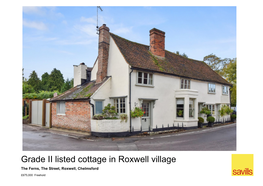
128,74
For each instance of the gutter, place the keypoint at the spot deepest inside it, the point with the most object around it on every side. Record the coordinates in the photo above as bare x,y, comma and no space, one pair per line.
130,96
153,71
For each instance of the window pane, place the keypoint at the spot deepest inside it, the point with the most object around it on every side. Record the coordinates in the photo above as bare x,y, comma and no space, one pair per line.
139,77
145,78
61,107
191,107
98,105
150,79
180,107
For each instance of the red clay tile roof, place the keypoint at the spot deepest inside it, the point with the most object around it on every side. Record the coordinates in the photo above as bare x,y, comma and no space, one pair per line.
80,92
138,56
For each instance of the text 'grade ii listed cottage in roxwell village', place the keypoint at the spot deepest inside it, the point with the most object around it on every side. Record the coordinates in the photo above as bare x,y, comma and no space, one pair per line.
128,75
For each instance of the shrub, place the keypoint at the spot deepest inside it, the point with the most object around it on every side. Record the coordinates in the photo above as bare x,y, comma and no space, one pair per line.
233,117
200,120
205,111
137,112
98,117
210,119
109,112
123,117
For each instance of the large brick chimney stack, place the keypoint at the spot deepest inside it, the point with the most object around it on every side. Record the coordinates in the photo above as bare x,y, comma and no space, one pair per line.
104,42
157,42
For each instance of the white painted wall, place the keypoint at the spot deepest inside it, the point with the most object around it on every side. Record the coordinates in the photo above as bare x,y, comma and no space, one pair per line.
166,89
94,71
118,69
118,84
109,126
79,73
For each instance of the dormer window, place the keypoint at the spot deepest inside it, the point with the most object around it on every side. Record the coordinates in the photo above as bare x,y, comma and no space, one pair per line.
185,83
144,78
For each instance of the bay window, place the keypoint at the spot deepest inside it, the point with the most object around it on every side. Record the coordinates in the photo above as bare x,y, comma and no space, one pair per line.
191,108
179,107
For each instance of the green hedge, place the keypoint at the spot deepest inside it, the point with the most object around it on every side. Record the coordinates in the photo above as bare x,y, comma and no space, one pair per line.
40,95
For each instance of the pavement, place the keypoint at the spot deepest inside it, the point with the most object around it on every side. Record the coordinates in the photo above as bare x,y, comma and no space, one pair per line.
87,135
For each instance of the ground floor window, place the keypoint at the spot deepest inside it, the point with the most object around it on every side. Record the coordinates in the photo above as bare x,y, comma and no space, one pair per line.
211,108
180,107
191,107
61,107
120,105
98,107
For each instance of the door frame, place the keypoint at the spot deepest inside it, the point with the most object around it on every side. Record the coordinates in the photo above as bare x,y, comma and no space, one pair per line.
151,106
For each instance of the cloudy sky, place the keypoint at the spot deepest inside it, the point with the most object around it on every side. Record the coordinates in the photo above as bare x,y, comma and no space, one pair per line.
60,37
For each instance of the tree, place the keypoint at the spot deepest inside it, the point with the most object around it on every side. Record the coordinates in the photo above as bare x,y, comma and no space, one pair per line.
56,80
216,63
45,81
27,88
66,86
34,81
230,74
184,55
226,68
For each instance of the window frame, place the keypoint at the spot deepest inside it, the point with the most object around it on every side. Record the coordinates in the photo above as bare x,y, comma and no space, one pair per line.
95,104
193,109
223,92
182,82
212,108
118,105
149,80
183,108
211,92
60,109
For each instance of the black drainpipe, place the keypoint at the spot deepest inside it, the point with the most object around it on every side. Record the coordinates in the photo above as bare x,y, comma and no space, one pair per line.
130,98
92,107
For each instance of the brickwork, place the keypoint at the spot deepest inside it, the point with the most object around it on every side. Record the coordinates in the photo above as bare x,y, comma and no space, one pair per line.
77,116
157,42
104,40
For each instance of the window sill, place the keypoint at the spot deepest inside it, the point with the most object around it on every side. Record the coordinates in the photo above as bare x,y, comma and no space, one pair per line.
142,85
61,114
211,93
224,94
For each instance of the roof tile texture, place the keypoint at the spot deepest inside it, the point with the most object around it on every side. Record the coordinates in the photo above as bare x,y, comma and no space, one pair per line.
138,56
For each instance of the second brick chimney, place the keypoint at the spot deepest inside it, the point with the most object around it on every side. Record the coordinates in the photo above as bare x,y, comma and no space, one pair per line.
157,42
104,42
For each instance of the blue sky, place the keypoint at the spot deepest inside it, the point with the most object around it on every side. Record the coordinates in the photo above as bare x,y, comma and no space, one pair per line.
60,37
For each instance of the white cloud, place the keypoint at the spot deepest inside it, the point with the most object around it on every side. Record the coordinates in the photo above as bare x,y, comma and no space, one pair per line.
65,22
89,20
36,25
122,30
89,29
33,10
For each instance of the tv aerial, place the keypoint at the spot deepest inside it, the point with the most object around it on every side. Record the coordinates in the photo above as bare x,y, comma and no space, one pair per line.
97,28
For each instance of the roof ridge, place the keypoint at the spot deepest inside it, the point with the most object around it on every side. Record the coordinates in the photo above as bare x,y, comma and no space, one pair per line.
128,40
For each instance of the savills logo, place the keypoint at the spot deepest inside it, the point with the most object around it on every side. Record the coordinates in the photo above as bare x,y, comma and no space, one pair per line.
245,172
242,165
